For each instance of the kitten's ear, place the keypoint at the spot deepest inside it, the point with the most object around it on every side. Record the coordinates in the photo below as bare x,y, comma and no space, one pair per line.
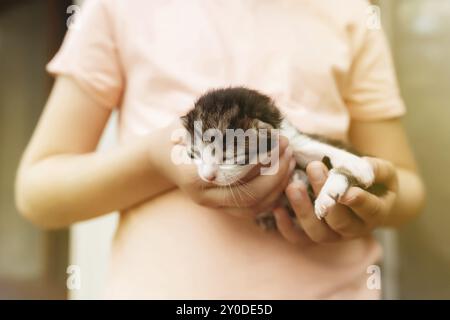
184,120
267,135
263,125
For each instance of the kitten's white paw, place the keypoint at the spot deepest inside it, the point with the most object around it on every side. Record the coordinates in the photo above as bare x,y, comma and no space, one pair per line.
322,205
359,167
335,186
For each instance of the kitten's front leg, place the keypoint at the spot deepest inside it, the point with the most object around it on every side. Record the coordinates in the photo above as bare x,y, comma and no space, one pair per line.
307,149
348,169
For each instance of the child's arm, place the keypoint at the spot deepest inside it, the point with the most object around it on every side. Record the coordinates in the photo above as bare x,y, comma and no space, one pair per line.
62,180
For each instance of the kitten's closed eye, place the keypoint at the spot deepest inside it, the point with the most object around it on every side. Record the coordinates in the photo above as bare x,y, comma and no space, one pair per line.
193,153
239,160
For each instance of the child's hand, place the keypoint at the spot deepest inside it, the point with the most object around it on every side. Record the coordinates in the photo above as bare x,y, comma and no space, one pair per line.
258,194
357,213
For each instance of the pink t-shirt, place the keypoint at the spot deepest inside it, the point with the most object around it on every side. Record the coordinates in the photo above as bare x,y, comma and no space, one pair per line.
323,66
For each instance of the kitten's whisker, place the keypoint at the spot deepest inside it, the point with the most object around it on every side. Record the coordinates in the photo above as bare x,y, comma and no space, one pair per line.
227,176
239,192
246,189
240,188
224,195
246,192
234,198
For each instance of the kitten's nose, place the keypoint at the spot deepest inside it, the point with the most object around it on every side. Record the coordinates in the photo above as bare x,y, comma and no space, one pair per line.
208,173
211,176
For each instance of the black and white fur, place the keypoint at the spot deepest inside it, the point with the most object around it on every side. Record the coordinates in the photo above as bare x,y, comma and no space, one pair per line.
238,107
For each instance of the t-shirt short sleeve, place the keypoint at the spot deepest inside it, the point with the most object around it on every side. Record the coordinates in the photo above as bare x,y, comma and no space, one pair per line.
372,92
89,55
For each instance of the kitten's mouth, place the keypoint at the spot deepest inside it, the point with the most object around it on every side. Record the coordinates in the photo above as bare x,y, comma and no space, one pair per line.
209,178
221,177
221,183
214,179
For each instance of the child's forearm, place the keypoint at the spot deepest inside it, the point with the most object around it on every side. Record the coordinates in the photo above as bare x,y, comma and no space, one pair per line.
410,198
63,189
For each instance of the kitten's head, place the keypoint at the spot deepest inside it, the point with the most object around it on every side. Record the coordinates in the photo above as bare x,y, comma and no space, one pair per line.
230,108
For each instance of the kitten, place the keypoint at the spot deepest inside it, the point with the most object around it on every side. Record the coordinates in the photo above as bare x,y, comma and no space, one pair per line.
246,109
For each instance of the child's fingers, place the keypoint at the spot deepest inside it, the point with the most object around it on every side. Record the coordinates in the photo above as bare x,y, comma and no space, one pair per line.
317,230
384,172
256,170
317,175
288,229
344,221
367,206
272,198
263,185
